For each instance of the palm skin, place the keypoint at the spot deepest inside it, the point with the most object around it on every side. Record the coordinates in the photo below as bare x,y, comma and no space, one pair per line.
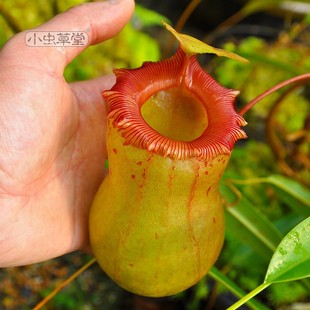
52,139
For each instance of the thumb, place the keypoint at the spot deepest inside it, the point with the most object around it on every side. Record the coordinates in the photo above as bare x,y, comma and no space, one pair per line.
98,21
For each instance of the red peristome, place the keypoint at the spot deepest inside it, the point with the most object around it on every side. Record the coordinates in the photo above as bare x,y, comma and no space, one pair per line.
134,86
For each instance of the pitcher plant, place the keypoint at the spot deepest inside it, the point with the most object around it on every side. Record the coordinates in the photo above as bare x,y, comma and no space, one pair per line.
157,221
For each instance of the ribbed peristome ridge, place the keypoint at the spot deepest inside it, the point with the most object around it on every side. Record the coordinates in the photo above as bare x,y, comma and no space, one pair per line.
134,86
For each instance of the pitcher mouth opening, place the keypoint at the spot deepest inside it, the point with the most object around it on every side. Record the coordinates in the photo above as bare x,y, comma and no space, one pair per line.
175,109
176,113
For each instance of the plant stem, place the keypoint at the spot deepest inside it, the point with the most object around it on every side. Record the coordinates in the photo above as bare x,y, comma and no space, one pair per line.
63,284
186,14
295,79
218,276
248,296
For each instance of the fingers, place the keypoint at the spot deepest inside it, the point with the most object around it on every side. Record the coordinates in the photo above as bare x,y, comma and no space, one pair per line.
99,21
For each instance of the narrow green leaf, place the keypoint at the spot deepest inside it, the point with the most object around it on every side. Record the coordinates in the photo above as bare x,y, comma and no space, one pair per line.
292,187
291,260
294,194
253,220
241,233
215,274
254,6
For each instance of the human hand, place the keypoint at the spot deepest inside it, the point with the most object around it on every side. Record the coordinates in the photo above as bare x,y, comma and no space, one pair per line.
52,138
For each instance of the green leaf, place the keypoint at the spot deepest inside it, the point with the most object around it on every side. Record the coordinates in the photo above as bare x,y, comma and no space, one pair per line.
291,260
245,217
241,233
193,46
293,188
254,6
290,191
294,194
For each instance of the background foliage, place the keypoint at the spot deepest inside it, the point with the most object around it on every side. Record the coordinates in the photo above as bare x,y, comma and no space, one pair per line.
266,186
